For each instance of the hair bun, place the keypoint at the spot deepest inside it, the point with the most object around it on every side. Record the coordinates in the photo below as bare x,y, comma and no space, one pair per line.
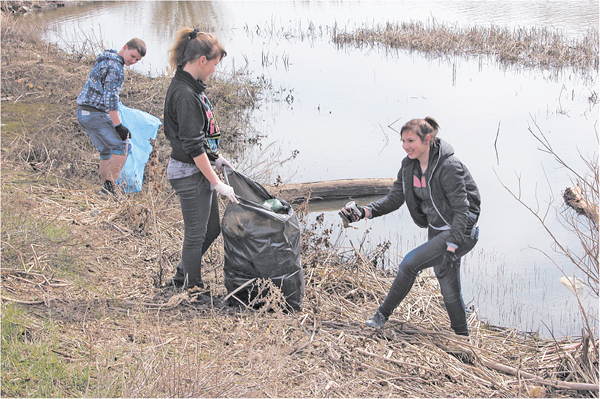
194,33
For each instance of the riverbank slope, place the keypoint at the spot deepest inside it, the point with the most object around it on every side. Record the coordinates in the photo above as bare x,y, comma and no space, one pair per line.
85,311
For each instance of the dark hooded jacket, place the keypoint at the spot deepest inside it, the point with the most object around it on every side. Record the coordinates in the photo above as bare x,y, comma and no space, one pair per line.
188,119
453,192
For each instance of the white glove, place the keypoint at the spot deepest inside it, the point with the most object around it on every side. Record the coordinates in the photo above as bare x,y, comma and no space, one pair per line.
220,162
227,191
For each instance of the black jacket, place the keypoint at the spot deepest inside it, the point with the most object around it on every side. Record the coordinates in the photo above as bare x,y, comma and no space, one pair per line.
453,192
185,120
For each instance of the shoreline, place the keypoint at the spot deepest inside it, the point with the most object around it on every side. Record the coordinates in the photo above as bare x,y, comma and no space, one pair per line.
26,6
84,297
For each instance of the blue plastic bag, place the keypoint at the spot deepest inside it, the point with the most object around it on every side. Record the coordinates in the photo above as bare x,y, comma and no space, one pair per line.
143,127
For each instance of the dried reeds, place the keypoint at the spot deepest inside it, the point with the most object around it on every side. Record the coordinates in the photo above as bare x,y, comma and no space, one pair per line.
533,47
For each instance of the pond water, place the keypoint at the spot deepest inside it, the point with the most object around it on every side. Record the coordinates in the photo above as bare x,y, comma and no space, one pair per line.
346,105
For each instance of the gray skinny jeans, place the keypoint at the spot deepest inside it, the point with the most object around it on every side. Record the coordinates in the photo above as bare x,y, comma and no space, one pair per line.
200,210
431,254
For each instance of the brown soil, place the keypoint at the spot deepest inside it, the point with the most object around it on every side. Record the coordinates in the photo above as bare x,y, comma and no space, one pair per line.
94,269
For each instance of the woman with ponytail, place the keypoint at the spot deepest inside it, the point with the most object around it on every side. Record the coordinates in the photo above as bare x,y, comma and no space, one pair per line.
442,196
194,136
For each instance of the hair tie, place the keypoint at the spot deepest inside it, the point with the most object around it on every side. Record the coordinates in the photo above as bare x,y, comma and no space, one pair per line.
194,33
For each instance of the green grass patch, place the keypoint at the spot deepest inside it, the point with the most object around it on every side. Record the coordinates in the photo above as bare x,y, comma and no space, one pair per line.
22,118
31,362
22,229
30,239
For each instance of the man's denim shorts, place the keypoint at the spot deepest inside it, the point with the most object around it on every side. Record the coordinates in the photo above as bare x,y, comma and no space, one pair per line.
105,138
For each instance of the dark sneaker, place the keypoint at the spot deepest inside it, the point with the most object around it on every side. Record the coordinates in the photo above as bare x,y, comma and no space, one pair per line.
108,188
174,283
377,320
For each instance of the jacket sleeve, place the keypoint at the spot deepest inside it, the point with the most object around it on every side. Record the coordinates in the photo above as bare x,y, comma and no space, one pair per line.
191,127
392,201
452,179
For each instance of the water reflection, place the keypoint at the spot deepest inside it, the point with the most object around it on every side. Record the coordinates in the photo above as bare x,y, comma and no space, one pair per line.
170,16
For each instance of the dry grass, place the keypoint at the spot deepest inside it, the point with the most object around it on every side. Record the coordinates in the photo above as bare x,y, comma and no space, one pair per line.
145,341
85,275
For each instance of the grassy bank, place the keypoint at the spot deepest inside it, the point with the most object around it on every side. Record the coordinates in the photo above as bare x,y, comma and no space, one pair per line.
85,313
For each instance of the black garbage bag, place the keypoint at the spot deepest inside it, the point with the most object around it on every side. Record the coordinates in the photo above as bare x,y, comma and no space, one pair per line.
261,237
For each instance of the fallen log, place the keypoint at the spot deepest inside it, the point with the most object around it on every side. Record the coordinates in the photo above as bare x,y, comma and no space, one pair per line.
574,197
329,190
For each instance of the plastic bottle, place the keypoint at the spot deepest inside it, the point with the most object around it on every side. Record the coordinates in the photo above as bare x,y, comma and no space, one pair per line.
274,205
